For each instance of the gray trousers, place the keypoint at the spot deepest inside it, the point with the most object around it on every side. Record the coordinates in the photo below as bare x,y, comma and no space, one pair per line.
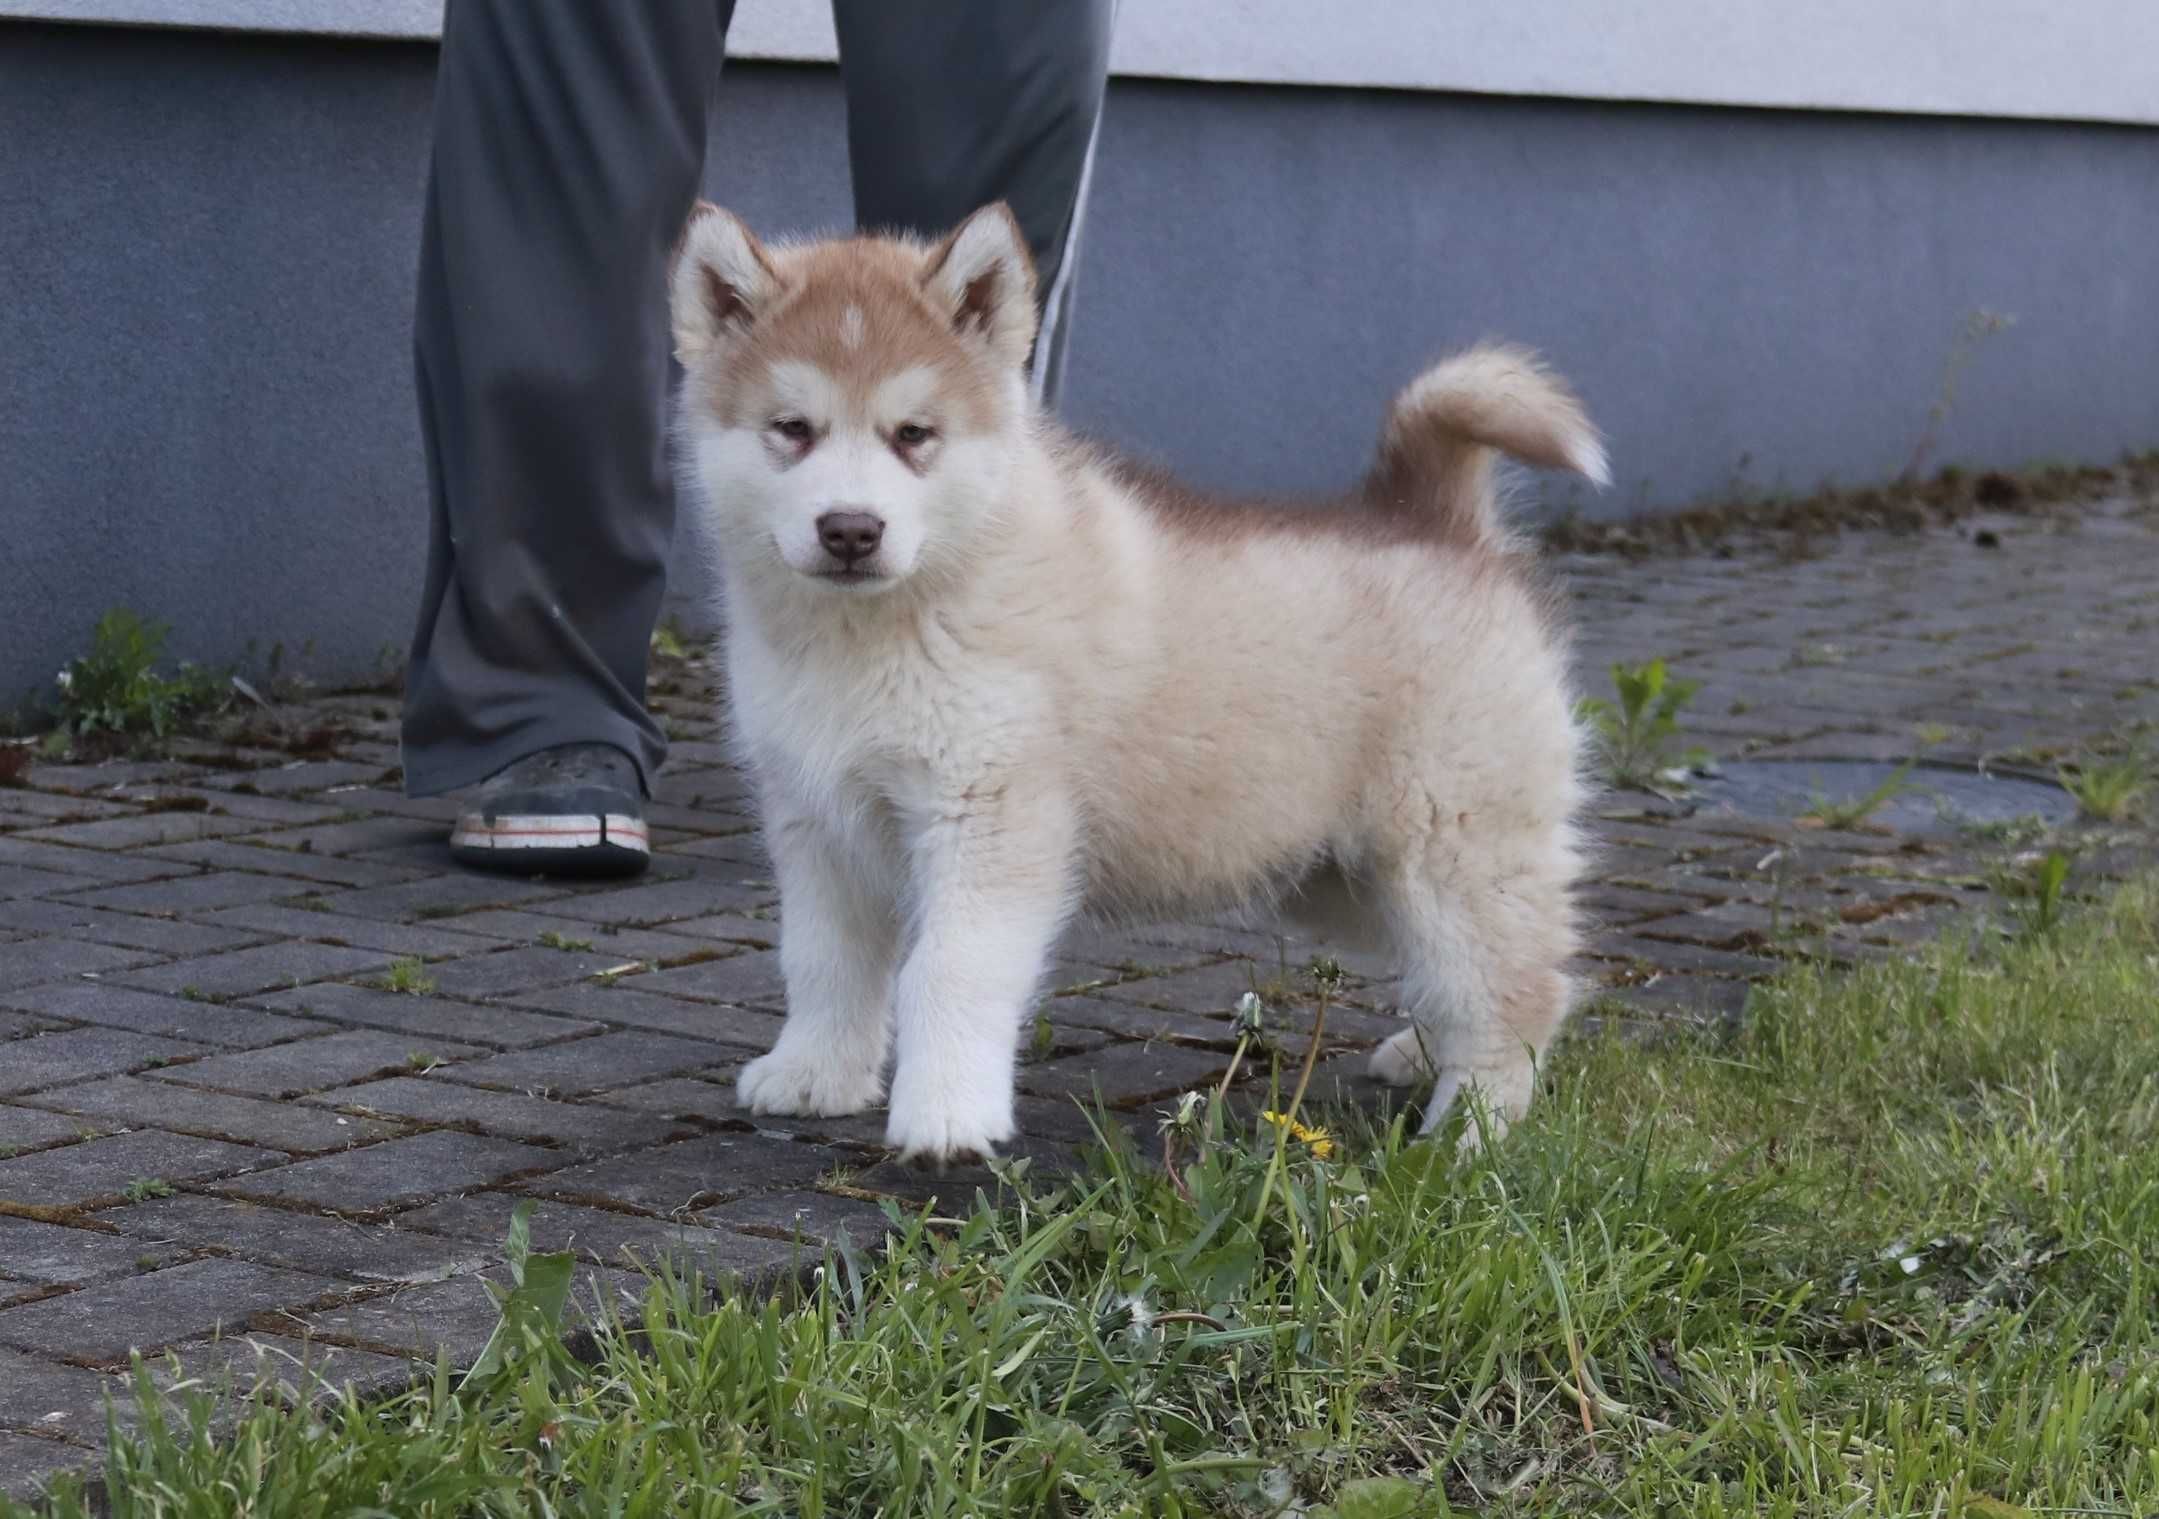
569,143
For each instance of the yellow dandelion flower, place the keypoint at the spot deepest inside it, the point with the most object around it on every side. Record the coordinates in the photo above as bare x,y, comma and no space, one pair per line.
1318,1141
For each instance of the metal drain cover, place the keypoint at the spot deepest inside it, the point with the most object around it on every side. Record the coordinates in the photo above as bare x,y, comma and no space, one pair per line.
1931,799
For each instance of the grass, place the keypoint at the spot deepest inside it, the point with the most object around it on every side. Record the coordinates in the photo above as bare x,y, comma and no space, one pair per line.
144,1188
1844,814
1885,1252
407,975
2109,790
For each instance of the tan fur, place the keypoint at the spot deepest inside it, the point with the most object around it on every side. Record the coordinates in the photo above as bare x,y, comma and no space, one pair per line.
1090,688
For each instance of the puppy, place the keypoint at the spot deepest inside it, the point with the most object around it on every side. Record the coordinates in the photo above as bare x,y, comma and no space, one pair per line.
984,677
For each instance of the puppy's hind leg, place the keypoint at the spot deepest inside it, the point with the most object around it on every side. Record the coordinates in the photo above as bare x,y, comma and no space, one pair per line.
1483,983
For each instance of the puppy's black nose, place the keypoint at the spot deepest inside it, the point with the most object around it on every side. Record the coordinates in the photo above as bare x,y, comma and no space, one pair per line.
849,536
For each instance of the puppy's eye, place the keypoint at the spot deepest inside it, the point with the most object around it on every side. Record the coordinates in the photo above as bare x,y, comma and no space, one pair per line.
793,429
912,434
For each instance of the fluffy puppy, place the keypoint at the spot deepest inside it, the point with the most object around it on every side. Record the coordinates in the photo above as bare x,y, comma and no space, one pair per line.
984,677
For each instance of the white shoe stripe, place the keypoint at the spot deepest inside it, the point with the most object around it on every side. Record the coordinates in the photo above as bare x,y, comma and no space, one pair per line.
544,831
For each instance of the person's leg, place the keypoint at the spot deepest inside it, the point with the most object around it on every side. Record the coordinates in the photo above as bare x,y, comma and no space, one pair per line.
569,138
953,105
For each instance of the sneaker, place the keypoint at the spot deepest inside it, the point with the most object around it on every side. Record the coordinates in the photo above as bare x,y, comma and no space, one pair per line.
576,809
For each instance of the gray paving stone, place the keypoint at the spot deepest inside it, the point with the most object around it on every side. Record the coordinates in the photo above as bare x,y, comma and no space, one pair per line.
255,808
504,972
45,1060
692,1173
722,928
310,1242
588,1065
455,1316
25,809
164,936
269,967
687,1097
19,881
618,1001
362,836
1136,1020
73,1175
15,850
113,1006
300,777
659,902
512,925
1126,1074
34,962
318,869
511,1115
421,940
102,1324
193,894
441,896
29,1464
749,979
28,1129
428,1019
144,828
396,1171
601,1237
132,1102
40,1252
315,1065
813,1216
15,1025
54,1399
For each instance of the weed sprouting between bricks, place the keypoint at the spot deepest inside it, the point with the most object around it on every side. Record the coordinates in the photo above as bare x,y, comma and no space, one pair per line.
1637,734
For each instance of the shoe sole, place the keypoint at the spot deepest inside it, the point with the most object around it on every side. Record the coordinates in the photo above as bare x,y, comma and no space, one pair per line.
612,844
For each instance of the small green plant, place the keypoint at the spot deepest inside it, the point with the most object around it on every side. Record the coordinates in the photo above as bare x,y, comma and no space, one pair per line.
2108,790
146,1263
115,690
1043,1040
530,1323
422,1061
143,1188
1638,732
1853,812
195,994
408,975
552,940
2049,876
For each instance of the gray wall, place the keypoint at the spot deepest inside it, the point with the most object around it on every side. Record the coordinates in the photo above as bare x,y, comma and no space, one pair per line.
205,403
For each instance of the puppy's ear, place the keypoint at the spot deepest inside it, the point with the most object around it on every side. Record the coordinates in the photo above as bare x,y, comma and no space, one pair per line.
720,282
983,275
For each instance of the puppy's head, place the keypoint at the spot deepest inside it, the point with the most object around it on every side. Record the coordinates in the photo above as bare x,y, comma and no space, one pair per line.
852,405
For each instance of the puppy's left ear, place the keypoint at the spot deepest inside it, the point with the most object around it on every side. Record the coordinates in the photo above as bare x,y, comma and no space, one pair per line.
983,275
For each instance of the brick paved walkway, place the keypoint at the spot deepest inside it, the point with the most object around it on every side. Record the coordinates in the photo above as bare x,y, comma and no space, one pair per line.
215,1118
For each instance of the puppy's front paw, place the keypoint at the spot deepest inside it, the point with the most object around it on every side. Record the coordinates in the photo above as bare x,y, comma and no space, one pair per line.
1501,1096
945,1126
821,1084
1401,1061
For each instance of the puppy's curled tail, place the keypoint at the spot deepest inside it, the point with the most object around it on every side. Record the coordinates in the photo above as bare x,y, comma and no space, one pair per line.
1435,457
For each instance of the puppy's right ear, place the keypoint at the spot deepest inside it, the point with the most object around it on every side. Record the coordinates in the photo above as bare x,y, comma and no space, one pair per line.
720,282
